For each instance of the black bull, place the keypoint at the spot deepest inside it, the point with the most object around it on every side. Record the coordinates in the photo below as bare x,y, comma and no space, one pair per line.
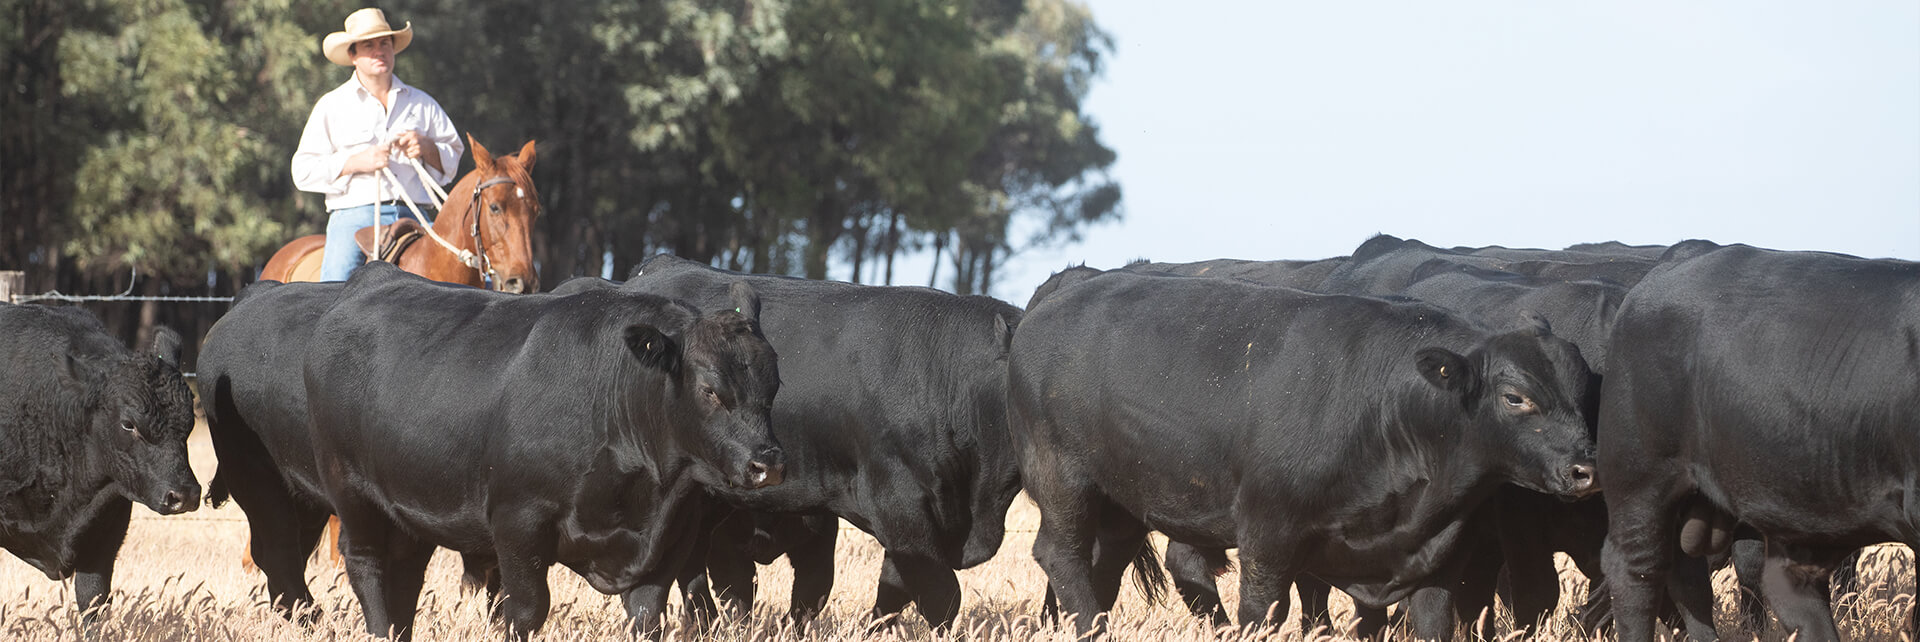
1776,389
1258,399
892,417
87,428
521,431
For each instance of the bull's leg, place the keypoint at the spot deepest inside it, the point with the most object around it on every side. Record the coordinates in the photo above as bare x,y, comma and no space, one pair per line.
283,534
1315,596
524,599
694,595
812,560
1431,612
1642,536
93,565
1530,570
406,572
729,567
1690,586
1063,546
1193,569
1116,544
1795,583
1749,553
928,583
363,544
1267,571
646,603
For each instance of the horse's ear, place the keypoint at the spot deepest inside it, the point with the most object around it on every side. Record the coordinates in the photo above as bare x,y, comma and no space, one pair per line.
526,155
482,159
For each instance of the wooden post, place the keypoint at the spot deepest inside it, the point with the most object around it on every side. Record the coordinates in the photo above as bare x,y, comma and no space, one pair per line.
13,283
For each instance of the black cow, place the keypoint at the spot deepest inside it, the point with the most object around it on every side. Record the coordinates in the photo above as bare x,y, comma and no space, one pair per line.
1775,389
520,430
894,407
87,427
1345,437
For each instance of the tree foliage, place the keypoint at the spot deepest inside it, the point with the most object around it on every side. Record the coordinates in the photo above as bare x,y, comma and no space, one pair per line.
782,136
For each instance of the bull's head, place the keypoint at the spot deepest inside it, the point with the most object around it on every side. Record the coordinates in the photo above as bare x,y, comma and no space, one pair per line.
726,376
1527,397
139,426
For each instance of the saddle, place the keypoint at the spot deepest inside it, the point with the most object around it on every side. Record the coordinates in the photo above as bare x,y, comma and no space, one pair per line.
394,239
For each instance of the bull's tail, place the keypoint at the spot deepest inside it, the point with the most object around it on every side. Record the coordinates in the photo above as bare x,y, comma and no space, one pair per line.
217,490
1148,575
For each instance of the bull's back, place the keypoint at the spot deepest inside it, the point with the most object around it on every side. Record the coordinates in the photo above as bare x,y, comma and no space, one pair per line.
250,373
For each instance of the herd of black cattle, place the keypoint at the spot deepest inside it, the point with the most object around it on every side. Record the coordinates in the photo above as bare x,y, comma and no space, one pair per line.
1406,424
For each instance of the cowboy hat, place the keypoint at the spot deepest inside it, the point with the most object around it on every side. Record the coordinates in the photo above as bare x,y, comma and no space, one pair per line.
365,24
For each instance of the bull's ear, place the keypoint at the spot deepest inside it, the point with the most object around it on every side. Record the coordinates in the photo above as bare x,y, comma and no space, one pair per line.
1002,334
166,345
1444,369
745,300
1531,320
653,348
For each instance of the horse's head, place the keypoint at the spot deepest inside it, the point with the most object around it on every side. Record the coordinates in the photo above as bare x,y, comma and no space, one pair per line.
504,204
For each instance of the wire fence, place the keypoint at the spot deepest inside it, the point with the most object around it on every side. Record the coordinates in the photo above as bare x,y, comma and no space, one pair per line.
10,285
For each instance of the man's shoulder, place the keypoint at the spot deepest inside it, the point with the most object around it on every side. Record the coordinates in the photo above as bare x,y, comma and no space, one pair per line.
414,92
346,91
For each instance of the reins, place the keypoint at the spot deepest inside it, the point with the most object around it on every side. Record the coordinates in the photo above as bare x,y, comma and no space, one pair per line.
439,197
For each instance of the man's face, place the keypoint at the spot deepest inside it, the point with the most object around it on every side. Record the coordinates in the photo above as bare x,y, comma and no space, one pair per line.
374,57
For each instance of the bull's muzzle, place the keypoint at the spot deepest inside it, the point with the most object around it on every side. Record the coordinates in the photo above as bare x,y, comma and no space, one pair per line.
178,501
1580,480
765,469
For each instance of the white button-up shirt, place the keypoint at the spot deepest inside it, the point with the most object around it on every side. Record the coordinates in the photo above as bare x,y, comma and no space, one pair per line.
349,119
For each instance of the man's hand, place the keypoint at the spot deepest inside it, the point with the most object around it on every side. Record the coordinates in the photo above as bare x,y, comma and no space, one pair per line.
367,161
412,144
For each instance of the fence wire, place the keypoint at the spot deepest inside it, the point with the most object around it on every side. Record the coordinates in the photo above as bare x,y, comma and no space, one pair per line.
127,295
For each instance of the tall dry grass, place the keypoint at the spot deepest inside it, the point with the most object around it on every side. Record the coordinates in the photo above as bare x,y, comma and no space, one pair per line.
179,578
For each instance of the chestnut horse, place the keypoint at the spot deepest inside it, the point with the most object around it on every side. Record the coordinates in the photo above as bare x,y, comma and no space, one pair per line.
488,214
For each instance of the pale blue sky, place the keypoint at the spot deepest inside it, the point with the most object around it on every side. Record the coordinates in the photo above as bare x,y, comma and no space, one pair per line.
1271,130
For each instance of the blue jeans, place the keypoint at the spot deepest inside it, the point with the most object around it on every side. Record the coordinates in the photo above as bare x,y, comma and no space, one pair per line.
342,256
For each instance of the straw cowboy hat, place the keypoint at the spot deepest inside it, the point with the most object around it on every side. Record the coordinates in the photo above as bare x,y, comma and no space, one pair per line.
365,24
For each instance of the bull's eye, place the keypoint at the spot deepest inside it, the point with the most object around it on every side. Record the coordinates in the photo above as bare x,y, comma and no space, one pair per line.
127,425
1516,401
712,396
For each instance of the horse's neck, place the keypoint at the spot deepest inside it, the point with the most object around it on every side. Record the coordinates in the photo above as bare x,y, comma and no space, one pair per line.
452,222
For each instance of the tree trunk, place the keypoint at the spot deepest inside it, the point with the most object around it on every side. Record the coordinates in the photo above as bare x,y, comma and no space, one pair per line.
860,226
823,229
893,241
939,243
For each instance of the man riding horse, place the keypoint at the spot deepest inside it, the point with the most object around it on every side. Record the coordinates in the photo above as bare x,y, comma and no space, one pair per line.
354,129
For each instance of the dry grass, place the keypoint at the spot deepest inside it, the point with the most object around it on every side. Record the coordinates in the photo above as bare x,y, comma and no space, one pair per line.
179,578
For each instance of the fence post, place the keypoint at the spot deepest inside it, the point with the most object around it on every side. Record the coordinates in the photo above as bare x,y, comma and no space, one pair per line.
13,283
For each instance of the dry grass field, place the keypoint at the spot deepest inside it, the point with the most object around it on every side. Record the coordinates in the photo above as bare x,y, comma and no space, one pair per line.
179,578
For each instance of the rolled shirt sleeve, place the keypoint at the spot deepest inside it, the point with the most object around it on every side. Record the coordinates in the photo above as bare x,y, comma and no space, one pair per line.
446,142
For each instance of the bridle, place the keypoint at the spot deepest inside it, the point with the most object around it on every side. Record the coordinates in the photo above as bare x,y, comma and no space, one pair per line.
481,263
